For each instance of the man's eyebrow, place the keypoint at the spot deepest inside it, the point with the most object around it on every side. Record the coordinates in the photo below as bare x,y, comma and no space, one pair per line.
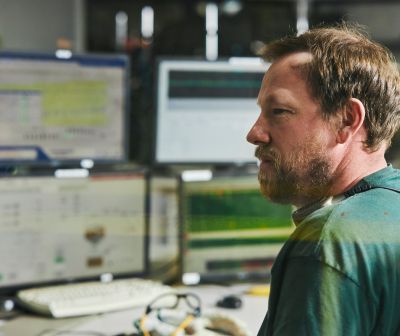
266,99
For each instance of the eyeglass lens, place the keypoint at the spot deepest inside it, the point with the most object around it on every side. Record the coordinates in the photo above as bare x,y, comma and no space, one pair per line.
165,301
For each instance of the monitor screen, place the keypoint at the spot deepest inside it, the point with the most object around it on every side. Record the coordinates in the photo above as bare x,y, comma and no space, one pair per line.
54,229
231,232
163,227
62,109
205,109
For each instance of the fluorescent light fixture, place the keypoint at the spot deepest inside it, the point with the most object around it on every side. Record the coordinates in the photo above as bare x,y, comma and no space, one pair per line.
211,18
147,22
302,24
71,173
63,53
231,7
121,28
196,175
87,163
191,279
212,31
211,47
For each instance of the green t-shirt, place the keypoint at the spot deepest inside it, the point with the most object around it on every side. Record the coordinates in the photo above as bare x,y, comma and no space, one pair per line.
339,272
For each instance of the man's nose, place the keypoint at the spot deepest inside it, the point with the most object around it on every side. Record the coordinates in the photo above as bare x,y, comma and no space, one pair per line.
258,133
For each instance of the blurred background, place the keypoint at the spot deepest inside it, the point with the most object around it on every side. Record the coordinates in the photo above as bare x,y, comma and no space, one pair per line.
122,140
148,29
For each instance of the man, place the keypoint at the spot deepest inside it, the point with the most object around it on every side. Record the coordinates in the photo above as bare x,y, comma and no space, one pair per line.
330,104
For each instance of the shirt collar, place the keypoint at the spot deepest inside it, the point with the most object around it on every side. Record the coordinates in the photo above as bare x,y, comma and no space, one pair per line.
300,214
367,183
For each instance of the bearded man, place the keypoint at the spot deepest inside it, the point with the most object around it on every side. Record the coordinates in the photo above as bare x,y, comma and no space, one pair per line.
330,105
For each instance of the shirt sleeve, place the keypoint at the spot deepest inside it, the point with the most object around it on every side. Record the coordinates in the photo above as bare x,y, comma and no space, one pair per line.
316,299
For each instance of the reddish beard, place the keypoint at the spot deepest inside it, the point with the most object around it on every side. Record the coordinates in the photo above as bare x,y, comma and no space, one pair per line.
300,177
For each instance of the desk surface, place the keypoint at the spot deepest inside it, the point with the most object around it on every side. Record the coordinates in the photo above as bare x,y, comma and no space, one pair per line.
251,313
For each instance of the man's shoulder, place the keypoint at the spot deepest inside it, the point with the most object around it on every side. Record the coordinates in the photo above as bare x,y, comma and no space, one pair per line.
386,177
378,202
365,222
370,212
367,219
368,215
374,200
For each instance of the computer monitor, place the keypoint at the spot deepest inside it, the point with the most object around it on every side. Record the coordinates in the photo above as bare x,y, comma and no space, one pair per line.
205,109
67,226
164,227
63,109
230,231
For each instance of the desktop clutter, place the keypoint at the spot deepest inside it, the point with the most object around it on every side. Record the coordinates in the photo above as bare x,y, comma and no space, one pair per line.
207,325
180,314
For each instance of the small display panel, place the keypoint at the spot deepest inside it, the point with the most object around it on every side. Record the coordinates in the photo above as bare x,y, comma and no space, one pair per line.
62,109
205,109
55,229
231,232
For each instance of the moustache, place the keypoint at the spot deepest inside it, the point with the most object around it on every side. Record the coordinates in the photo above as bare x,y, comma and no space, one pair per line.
264,153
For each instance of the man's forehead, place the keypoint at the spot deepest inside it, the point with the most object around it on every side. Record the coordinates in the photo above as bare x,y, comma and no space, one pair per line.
293,60
282,70
287,65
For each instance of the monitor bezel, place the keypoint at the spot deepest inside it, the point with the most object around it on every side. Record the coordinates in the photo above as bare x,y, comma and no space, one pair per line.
168,270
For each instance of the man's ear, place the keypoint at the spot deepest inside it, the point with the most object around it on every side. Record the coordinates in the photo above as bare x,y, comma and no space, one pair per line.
352,119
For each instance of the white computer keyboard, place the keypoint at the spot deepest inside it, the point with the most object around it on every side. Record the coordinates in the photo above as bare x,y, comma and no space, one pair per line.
91,297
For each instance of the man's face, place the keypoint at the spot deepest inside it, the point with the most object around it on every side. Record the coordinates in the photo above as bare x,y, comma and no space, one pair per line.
293,141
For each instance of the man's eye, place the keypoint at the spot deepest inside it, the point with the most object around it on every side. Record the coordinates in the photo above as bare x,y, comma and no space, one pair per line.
278,111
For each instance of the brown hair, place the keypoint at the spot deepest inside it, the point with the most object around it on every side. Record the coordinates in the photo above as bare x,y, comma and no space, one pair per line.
346,63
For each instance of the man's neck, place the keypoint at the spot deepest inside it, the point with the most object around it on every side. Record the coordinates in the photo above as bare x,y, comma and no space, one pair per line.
351,171
347,173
